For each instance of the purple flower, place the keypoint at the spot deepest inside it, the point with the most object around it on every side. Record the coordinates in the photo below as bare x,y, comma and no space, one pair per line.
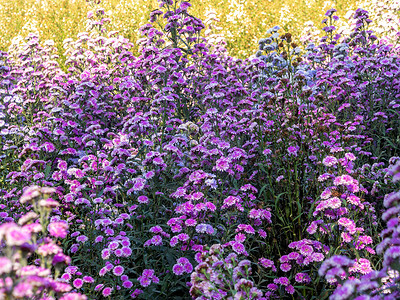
330,161
286,267
306,250
127,284
77,283
143,199
178,269
118,270
222,164
293,150
107,291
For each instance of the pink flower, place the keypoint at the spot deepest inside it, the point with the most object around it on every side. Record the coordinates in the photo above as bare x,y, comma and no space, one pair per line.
178,269
15,235
330,161
98,239
293,150
5,265
350,156
156,240
105,254
82,238
143,199
222,164
22,290
118,270
49,147
88,279
285,267
49,249
58,229
73,296
126,251
138,184
77,283
30,193
107,291
240,237
127,284
66,277
190,222
306,250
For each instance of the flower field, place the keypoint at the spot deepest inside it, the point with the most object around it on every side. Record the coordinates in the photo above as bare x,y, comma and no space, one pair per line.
167,168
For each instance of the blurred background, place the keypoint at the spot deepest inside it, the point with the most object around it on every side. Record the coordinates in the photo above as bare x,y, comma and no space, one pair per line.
241,22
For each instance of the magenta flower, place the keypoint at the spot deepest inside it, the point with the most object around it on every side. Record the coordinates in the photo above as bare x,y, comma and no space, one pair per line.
118,270
285,267
77,283
82,239
58,229
138,184
143,199
178,269
107,291
88,279
306,250
127,284
222,164
293,150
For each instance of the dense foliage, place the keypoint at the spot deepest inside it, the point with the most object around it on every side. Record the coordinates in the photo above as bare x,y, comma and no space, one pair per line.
187,173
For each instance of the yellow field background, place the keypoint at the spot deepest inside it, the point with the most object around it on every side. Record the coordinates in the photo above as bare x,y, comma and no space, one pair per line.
242,22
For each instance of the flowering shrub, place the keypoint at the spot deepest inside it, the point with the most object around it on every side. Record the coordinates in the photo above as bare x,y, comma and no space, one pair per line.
184,172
